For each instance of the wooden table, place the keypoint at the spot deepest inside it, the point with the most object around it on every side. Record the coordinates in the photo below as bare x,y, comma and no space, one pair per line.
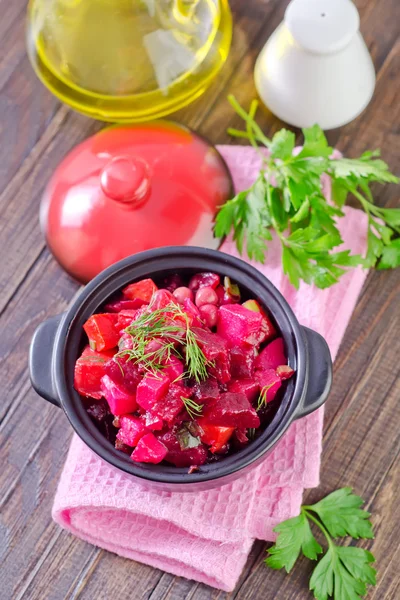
361,441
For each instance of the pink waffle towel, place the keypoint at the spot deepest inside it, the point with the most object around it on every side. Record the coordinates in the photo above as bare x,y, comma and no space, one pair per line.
207,535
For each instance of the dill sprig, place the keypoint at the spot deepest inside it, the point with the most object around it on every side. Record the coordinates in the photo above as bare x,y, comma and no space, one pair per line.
196,361
262,399
193,409
170,326
251,433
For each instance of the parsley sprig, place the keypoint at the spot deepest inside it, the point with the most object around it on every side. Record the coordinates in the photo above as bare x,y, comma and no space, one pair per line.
344,572
288,198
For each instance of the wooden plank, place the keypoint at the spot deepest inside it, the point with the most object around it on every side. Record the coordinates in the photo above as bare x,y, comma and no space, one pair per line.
47,291
178,588
361,440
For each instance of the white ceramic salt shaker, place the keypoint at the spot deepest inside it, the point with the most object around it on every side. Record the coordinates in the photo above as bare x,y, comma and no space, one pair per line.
315,67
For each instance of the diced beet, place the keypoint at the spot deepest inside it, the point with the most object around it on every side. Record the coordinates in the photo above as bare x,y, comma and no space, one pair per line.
173,368
162,299
224,297
143,310
89,369
241,436
215,349
169,407
131,430
209,314
220,293
170,440
124,372
182,293
98,410
122,447
172,282
242,361
119,400
151,389
102,331
269,383
204,279
125,319
268,328
105,354
149,450
118,305
125,342
272,356
205,391
240,326
206,295
232,410
284,372
248,387
193,313
153,346
142,290
180,456
157,348
179,321
186,458
153,421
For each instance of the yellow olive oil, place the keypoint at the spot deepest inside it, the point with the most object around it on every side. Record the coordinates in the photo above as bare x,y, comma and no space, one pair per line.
128,60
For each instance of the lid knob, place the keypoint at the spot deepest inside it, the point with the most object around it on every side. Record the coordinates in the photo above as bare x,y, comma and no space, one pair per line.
126,179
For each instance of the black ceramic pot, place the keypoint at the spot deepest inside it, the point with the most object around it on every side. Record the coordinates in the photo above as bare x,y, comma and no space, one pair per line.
58,341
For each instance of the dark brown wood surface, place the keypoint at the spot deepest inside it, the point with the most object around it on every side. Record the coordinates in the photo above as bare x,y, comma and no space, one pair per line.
361,437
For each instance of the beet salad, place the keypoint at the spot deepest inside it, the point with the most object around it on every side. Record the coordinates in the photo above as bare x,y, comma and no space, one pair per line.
181,373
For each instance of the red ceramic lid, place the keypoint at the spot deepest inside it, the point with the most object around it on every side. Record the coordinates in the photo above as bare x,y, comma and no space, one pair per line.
132,188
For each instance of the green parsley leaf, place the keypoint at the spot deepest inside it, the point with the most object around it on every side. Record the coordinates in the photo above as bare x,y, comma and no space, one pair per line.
315,143
302,213
323,577
339,192
295,536
357,562
341,515
370,154
390,258
291,267
373,170
323,215
278,214
226,217
391,216
375,248
384,232
343,574
297,191
282,144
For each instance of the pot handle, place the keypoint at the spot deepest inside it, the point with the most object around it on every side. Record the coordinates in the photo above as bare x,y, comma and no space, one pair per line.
319,373
40,359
